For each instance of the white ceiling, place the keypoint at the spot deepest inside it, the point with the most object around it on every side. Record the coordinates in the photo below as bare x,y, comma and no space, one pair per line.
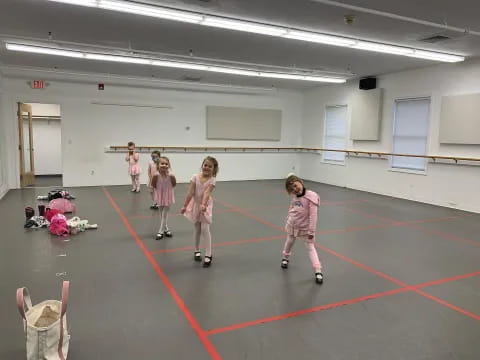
36,18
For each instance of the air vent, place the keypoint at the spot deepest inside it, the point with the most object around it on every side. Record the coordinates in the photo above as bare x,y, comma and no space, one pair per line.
191,78
442,36
435,39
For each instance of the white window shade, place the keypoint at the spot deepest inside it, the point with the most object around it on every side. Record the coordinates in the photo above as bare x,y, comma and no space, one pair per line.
410,133
335,133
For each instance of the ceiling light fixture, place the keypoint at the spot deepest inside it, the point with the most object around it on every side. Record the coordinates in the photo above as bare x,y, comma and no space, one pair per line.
40,49
387,49
257,28
115,58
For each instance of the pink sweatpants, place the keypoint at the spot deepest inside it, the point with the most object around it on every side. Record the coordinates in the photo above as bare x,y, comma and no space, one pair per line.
309,244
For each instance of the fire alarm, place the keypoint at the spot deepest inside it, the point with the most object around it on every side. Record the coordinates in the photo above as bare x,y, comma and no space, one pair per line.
101,86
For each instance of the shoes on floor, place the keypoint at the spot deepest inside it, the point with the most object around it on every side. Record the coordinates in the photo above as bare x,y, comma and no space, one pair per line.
207,261
197,256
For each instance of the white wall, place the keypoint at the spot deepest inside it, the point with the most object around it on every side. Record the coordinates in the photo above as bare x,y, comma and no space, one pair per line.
446,185
45,109
88,128
47,139
3,142
47,142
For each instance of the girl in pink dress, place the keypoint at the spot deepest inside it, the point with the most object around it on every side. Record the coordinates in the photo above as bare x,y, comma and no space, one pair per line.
133,167
302,223
152,171
163,195
198,207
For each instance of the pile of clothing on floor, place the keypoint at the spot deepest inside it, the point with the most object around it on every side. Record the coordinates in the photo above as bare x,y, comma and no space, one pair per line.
52,216
56,194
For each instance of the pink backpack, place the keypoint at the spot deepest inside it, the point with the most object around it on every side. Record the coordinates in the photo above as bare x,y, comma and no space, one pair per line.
64,205
58,225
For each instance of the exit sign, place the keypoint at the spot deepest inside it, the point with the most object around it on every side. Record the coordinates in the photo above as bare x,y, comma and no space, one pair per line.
38,84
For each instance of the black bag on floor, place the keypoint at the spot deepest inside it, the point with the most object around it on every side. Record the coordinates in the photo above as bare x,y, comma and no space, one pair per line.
29,212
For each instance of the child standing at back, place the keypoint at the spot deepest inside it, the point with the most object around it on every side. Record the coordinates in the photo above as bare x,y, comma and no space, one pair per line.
198,207
163,183
302,223
133,167
152,171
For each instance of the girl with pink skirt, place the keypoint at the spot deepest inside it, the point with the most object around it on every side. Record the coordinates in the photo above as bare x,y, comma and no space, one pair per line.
163,184
133,167
198,208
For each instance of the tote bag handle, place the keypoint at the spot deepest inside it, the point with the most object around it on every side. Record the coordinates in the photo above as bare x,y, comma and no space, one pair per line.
24,302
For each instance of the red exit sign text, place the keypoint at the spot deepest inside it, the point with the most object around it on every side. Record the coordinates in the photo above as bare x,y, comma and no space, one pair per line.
38,84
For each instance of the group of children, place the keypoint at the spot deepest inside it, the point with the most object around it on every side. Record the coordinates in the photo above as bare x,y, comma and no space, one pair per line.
198,205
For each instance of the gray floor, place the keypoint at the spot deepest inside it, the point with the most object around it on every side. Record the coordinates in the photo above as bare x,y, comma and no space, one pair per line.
47,180
402,279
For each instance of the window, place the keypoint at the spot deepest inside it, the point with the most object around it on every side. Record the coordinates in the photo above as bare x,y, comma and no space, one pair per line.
410,133
335,133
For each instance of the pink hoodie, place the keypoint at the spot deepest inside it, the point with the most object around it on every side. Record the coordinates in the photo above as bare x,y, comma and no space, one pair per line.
302,214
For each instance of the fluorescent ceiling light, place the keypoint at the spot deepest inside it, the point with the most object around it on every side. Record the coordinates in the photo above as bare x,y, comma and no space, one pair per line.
265,29
124,59
301,77
388,49
92,3
430,55
147,10
324,79
43,50
165,63
243,26
180,65
319,38
233,71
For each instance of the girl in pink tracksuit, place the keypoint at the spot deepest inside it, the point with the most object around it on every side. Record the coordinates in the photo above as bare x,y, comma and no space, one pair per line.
302,223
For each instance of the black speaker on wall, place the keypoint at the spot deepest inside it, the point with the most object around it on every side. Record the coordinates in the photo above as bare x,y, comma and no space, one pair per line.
367,83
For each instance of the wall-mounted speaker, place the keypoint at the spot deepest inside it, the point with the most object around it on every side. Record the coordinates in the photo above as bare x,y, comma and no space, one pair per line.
367,83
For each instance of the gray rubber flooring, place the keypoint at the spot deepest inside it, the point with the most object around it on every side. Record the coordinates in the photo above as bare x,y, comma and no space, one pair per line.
402,279
47,180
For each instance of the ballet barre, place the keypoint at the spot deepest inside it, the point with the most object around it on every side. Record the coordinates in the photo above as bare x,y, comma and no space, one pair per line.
245,149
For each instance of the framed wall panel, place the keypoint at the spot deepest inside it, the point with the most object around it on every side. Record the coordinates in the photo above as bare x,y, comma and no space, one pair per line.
233,123
460,119
366,114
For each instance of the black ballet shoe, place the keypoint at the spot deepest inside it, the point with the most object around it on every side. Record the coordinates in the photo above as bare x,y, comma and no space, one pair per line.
207,261
197,256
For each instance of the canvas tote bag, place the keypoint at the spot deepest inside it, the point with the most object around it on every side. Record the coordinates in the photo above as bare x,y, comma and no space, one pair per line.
45,325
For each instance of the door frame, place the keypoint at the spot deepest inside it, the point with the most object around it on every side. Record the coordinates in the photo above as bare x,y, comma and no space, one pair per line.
26,177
